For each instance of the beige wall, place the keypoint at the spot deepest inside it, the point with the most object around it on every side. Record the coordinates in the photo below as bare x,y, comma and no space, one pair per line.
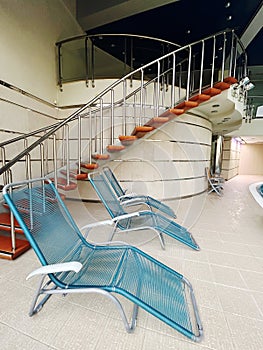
231,156
29,30
251,159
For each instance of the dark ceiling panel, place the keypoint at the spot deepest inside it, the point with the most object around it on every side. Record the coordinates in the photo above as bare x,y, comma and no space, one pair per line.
186,21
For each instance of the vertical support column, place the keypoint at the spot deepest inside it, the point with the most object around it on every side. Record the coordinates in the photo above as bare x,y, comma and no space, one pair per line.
217,154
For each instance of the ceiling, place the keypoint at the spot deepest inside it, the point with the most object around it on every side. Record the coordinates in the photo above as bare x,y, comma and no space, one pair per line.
181,21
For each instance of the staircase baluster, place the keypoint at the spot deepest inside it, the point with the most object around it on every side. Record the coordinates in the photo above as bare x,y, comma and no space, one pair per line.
5,174
124,121
202,67
213,62
141,97
90,135
189,73
86,62
101,126
67,152
92,64
112,118
41,149
223,57
79,143
158,86
55,168
173,81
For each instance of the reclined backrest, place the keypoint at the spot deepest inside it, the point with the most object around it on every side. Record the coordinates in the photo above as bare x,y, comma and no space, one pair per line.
46,222
113,181
105,193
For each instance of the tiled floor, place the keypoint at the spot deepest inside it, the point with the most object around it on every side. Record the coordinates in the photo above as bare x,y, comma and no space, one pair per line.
227,276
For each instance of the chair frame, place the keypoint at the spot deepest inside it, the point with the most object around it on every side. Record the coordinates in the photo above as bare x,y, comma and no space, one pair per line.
143,213
134,199
55,272
215,182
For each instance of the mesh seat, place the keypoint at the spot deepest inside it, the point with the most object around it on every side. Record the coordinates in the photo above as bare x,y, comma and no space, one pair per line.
70,264
132,199
144,219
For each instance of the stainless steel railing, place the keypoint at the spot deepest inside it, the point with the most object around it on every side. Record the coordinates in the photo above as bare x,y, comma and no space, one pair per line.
128,102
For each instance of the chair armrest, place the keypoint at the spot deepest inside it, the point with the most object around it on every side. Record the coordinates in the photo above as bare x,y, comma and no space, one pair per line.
95,224
67,266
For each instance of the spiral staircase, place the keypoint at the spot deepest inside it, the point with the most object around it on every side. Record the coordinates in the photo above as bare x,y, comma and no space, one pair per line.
134,108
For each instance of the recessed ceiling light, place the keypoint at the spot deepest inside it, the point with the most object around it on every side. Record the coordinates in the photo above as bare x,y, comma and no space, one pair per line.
214,111
228,4
215,106
229,18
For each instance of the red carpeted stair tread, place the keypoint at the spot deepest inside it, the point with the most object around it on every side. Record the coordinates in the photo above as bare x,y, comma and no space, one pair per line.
157,121
185,105
200,98
140,131
176,111
98,156
211,91
6,251
230,80
127,140
115,148
89,166
222,85
75,175
5,223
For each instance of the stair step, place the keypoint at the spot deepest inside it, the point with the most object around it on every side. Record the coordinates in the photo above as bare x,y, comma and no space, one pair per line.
89,166
222,85
127,140
185,105
6,251
115,148
75,175
98,156
63,185
177,111
211,91
157,122
140,131
230,80
200,98
5,223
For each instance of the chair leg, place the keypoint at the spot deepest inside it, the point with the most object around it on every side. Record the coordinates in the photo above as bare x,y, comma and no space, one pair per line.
36,308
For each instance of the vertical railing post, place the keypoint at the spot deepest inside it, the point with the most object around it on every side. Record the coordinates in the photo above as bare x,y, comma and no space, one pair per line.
131,62
202,67
189,73
173,81
92,64
59,67
67,152
141,97
90,134
223,57
112,118
55,167
86,61
213,61
124,109
231,72
41,150
79,144
101,127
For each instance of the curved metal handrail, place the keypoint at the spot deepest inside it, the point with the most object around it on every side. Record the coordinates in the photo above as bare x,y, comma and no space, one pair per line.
110,34
110,88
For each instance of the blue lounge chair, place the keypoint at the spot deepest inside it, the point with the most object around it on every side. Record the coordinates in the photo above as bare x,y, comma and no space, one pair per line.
142,220
129,199
70,264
